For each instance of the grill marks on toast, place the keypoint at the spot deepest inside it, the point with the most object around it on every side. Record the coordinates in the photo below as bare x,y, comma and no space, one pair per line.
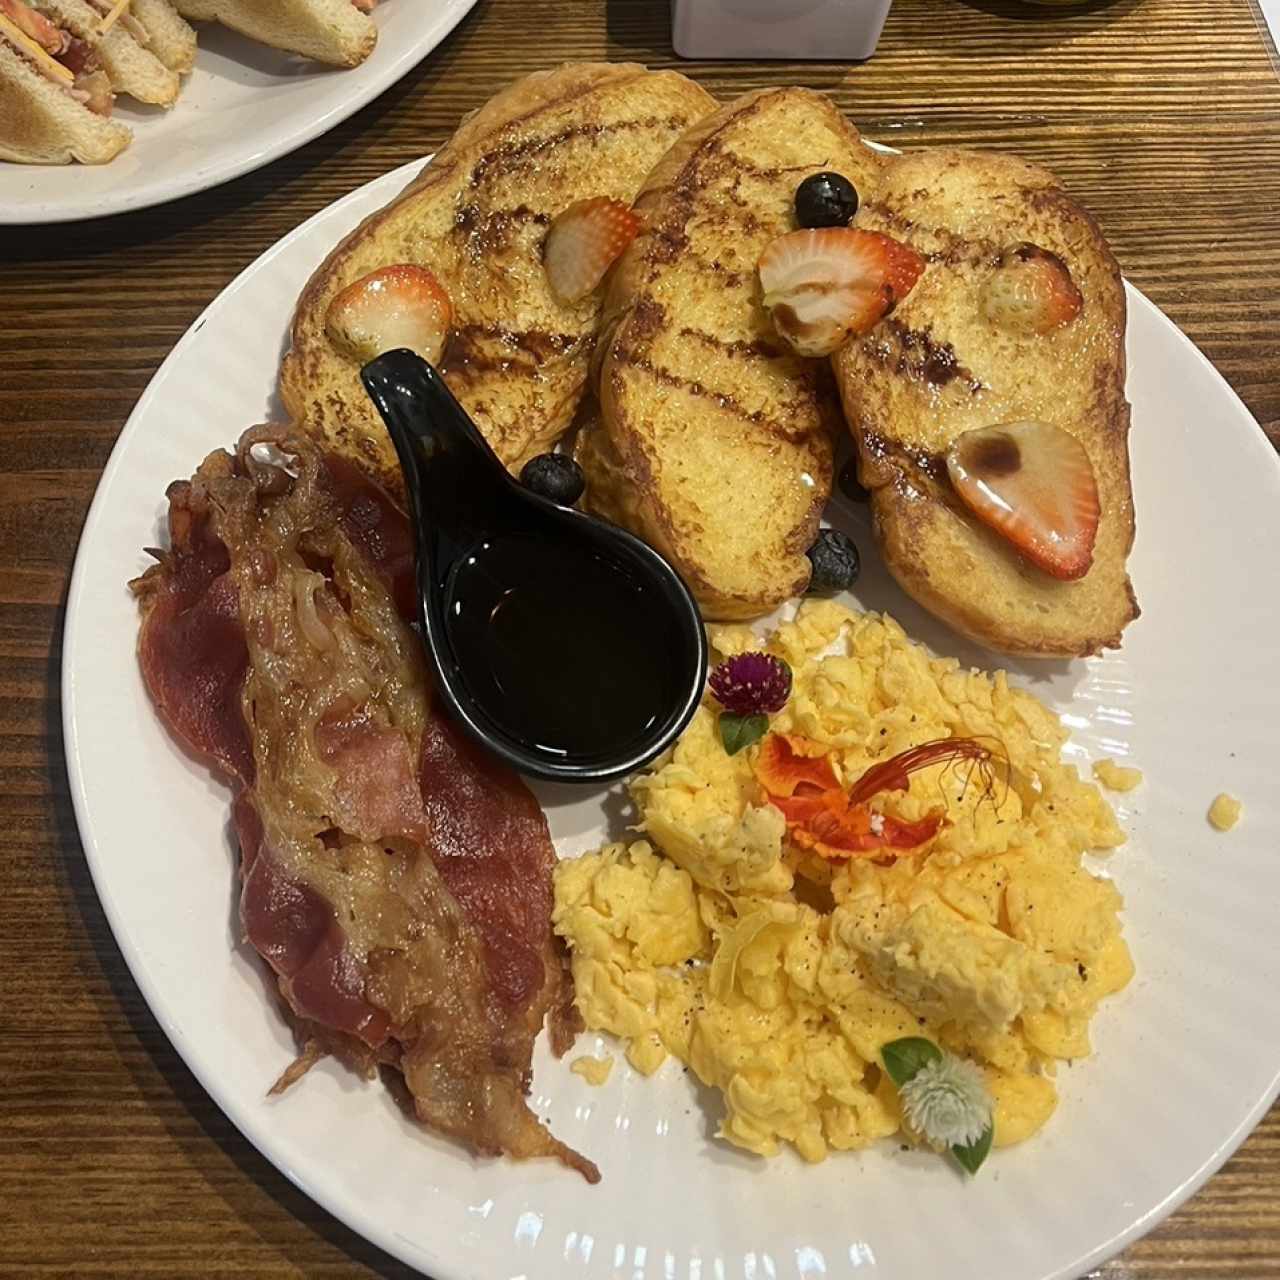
935,243
916,355
766,347
924,462
472,350
488,230
477,218
723,399
740,224
649,319
724,435
507,157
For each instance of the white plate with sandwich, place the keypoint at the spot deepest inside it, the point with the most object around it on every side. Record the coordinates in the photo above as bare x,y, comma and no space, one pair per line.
157,107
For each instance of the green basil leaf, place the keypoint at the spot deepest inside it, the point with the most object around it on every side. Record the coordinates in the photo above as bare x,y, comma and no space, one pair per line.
903,1058
737,732
972,1156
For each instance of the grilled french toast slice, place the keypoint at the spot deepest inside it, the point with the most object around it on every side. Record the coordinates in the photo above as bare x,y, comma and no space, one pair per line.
718,435
940,366
517,358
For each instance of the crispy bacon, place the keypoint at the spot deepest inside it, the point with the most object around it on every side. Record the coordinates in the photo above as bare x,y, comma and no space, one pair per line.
191,646
376,791
296,932
473,802
79,56
396,880
376,527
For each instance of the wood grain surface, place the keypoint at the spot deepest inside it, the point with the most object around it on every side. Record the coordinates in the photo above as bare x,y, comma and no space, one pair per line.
1162,115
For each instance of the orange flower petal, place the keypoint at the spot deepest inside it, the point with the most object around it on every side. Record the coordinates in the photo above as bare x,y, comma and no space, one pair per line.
835,828
786,762
799,809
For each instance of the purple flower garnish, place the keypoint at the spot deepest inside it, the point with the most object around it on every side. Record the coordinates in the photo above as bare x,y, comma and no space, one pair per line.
752,684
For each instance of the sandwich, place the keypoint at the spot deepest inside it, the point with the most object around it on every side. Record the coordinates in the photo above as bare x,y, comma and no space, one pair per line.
989,410
716,436
129,43
459,266
339,32
170,36
55,96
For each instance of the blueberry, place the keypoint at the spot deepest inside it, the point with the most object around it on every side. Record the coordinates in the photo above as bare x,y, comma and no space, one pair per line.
849,483
555,476
835,563
826,200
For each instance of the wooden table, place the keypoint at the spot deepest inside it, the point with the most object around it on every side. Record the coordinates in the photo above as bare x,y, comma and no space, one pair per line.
1162,115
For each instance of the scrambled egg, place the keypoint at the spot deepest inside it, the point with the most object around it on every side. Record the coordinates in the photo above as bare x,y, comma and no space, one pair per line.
1117,777
595,1071
1224,812
778,975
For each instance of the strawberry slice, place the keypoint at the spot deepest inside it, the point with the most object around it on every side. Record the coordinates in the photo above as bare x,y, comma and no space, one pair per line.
1031,293
1033,483
396,306
825,286
584,242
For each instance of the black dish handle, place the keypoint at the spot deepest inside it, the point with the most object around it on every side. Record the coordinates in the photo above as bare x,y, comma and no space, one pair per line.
450,472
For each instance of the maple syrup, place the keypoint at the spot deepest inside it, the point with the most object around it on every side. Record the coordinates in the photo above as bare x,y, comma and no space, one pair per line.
577,654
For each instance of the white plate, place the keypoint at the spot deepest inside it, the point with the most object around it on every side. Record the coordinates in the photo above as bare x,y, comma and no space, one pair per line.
1186,1058
243,106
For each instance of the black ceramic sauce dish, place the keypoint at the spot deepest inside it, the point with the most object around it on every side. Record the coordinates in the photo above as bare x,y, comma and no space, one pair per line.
562,643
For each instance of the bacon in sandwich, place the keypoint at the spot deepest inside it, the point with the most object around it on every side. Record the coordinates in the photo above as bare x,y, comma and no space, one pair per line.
143,45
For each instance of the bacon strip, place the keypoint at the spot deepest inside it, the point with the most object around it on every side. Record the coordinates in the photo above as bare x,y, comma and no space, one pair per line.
296,932
396,879
191,646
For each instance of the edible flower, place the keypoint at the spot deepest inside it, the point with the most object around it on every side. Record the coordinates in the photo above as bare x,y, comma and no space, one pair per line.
944,1098
838,822
752,684
947,1102
750,687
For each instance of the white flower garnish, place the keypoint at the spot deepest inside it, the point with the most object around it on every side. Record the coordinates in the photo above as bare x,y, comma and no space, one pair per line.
947,1102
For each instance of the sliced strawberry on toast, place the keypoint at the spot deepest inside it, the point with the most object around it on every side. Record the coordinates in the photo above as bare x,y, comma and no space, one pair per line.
584,242
825,286
397,306
1033,483
1031,292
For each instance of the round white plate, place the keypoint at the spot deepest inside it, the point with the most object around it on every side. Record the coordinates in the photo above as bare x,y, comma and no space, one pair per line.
1186,1058
243,106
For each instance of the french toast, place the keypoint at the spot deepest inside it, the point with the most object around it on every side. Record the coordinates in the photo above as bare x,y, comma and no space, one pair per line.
718,435
946,363
516,357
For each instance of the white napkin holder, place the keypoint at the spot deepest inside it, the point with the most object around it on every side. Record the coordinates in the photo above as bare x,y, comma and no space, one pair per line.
822,30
